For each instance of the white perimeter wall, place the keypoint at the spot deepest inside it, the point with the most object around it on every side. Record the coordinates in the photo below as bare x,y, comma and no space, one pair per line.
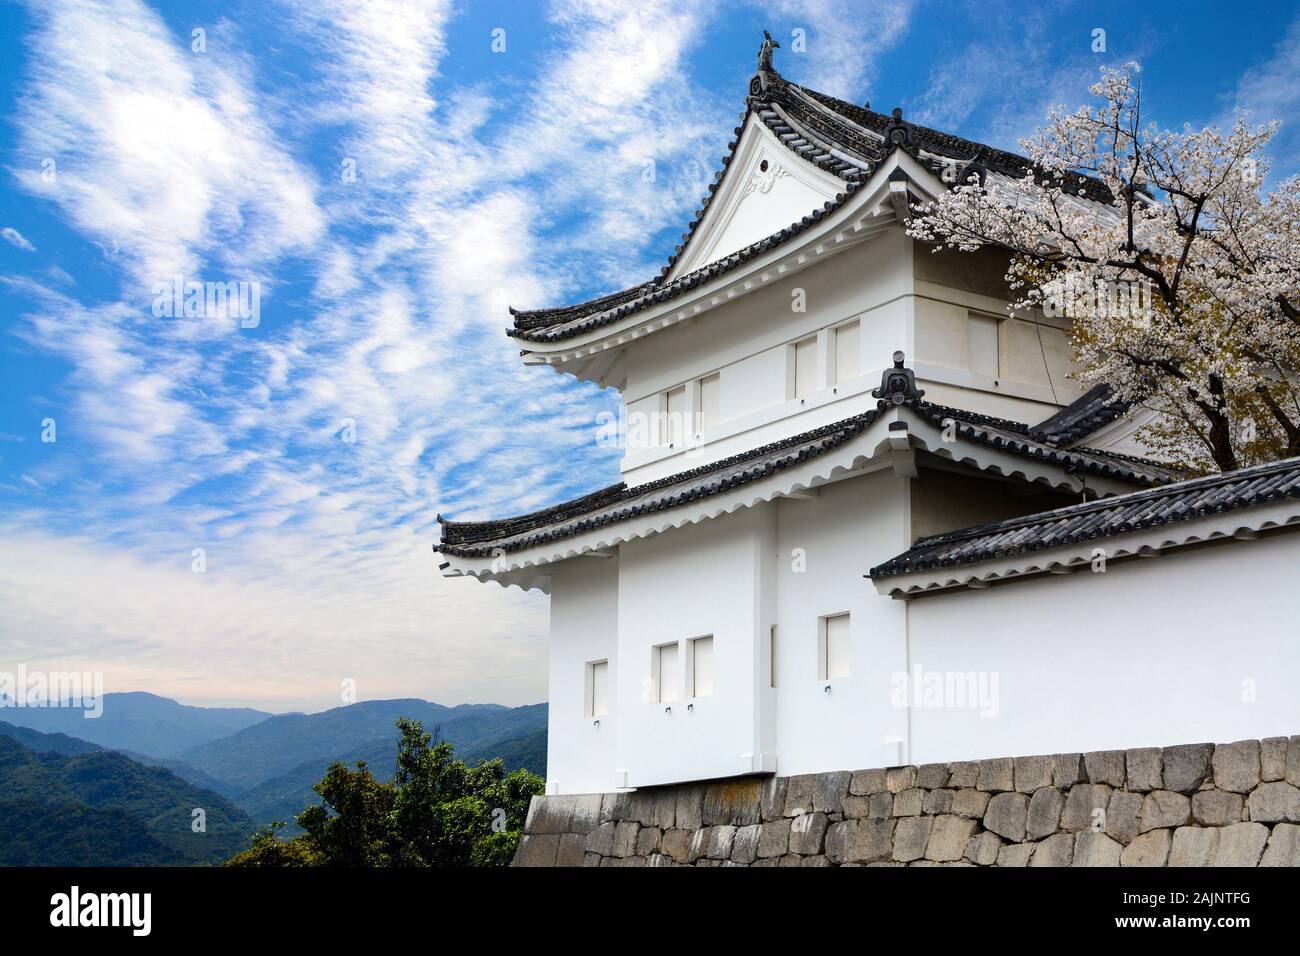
1152,652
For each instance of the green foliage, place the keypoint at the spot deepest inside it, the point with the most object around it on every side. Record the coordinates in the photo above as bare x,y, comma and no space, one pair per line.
436,811
100,808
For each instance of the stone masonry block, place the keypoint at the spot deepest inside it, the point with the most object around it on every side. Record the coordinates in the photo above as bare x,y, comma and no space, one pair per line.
1104,766
1186,767
1236,766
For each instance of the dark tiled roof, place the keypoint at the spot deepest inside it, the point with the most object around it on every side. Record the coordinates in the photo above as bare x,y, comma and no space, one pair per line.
1182,501
846,140
1019,438
1076,421
619,502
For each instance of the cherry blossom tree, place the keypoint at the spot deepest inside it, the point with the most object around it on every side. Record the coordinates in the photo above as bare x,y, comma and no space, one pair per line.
1181,275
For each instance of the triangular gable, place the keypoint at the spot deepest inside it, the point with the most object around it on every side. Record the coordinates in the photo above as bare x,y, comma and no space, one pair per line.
764,188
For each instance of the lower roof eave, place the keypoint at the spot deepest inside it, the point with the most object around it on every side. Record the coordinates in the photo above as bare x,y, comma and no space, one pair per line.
1241,525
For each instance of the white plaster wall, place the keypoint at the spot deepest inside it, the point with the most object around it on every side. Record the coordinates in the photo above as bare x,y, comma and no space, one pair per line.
694,581
584,627
1152,652
852,525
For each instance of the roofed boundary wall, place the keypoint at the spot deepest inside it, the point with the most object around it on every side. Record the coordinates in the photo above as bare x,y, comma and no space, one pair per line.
1232,804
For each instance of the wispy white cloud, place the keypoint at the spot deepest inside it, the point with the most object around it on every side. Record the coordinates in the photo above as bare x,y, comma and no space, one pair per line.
1270,90
16,238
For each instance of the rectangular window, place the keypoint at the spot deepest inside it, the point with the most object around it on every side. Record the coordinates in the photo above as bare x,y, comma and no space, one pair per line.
598,688
702,666
833,647
710,401
982,345
674,416
771,656
667,673
846,352
805,367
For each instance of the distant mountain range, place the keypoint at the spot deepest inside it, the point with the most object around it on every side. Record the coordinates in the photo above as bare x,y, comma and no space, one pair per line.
253,766
145,723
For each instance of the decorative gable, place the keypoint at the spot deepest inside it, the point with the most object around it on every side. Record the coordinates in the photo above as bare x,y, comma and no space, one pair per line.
765,188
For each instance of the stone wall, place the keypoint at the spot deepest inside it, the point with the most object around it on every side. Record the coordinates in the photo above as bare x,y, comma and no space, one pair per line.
1193,805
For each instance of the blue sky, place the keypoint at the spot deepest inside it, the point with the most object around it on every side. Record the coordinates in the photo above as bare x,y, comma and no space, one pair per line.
482,179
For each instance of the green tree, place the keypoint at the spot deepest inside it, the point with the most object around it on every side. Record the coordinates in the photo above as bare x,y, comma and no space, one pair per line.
437,811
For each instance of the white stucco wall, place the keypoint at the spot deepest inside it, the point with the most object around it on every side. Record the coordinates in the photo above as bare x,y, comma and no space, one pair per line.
848,527
1151,652
695,581
584,627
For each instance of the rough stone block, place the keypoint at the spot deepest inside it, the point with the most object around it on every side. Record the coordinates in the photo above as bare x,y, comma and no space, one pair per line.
647,840
965,773
1015,854
971,803
721,839
1105,766
859,841
1006,815
549,814
830,791
537,849
1033,773
1142,769
1165,808
1236,766
1056,850
898,779
982,850
659,859
1275,802
855,808
601,839
625,838
1241,844
1194,846
732,802
700,840
571,851
937,802
866,782
772,801
1085,807
997,775
816,861
933,776
807,832
799,794
791,859
1095,849
613,806
949,835
1186,766
676,843
1216,808
1044,816
908,803
1283,846
1147,849
1123,816
774,838
911,836
1293,761
653,807
1067,770
881,805
591,859
744,846
1272,759
689,811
